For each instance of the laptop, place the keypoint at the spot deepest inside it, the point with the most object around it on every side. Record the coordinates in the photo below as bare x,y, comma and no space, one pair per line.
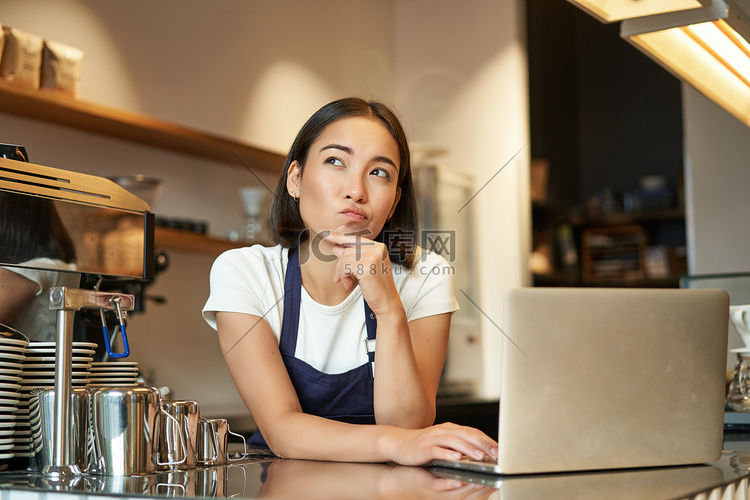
606,378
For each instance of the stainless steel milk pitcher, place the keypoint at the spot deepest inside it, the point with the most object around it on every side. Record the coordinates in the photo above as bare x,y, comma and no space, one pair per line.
42,422
213,435
184,427
126,423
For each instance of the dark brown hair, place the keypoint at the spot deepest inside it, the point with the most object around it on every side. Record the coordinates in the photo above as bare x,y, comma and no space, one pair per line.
399,233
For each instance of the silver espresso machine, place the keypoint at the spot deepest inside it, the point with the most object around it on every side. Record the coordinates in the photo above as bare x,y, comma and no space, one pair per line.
109,233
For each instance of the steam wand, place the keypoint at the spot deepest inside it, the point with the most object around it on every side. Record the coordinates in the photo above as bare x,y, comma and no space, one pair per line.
66,301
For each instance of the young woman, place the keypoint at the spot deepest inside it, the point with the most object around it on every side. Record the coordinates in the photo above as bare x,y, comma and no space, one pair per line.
337,336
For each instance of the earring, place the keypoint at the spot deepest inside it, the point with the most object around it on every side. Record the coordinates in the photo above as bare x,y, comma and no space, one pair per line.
295,197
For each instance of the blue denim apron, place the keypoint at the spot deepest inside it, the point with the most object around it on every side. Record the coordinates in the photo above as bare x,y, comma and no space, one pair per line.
346,397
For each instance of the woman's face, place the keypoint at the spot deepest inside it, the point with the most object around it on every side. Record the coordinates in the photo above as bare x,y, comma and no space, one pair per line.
350,180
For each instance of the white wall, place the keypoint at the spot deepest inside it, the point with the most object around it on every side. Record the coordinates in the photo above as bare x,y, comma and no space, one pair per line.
717,181
461,73
255,71
717,177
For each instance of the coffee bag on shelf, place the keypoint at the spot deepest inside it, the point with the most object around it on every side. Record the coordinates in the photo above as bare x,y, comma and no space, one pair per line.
22,58
61,68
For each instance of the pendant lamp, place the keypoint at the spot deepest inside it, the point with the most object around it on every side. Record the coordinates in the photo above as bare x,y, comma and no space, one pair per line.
706,47
608,11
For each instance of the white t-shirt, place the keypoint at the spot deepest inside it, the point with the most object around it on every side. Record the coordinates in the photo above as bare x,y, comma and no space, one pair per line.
331,339
37,321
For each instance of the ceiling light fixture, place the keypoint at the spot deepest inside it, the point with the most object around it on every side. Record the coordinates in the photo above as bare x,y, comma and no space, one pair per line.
608,11
706,47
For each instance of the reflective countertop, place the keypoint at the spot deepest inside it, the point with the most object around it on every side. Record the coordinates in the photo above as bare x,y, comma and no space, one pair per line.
302,479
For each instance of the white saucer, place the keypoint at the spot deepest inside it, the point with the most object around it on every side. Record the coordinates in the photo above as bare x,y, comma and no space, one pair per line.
8,332
13,356
116,363
51,359
114,369
49,382
90,345
131,376
13,342
15,349
105,377
47,352
46,374
26,395
112,380
51,366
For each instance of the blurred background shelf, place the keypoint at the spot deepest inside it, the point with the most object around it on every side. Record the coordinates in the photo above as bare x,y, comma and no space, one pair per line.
624,219
174,239
638,249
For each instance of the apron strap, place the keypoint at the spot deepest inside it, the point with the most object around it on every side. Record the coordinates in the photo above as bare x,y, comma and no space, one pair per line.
292,299
371,322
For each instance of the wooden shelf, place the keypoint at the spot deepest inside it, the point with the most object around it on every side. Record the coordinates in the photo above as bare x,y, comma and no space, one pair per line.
47,107
618,219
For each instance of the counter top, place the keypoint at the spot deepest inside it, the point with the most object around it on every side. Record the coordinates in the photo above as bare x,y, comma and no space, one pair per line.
302,479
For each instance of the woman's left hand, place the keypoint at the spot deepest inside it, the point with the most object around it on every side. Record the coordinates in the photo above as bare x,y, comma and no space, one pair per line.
365,262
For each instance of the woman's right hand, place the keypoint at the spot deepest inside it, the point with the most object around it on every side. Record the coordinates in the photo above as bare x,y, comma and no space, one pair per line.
439,442
251,352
